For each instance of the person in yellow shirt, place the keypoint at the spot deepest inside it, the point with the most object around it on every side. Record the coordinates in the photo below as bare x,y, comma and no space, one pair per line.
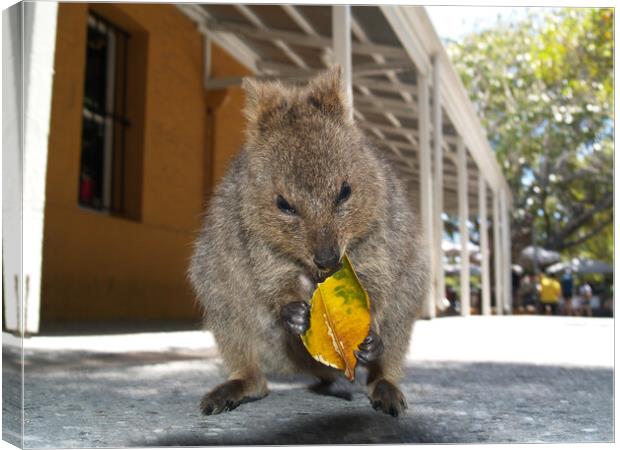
549,290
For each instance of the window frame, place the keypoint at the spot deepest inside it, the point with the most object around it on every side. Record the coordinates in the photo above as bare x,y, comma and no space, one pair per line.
113,117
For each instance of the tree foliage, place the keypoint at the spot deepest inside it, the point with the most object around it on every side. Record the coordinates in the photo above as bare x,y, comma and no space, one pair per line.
543,87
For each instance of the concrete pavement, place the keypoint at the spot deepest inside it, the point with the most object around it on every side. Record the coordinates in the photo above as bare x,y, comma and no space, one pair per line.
477,379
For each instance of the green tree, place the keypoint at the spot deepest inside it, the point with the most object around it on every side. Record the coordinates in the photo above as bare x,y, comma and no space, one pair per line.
543,87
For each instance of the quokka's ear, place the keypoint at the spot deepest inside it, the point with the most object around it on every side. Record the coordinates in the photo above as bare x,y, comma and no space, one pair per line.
263,100
327,93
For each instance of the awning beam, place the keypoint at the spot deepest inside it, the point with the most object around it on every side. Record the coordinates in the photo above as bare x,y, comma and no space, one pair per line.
302,39
358,70
387,87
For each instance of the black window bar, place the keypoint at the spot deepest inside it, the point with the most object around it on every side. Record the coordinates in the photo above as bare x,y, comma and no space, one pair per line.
104,117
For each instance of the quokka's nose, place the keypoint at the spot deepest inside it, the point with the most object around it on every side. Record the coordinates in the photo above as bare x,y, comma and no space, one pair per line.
327,260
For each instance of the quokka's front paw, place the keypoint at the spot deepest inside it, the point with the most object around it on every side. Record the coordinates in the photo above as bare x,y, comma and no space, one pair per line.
296,317
370,349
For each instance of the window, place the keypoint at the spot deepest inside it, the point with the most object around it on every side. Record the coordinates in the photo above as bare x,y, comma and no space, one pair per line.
105,125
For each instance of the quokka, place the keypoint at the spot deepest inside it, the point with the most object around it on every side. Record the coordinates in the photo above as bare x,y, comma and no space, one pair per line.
306,188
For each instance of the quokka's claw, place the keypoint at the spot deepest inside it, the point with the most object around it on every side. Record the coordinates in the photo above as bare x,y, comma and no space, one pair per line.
296,317
370,349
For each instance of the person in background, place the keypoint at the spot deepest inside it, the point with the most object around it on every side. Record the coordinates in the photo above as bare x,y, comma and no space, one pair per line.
451,296
567,292
550,291
585,292
528,295
516,283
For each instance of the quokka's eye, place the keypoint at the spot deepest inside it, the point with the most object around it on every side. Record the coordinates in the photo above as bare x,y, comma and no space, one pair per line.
285,206
345,193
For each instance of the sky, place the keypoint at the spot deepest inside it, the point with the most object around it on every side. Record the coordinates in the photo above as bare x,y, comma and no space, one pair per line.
453,22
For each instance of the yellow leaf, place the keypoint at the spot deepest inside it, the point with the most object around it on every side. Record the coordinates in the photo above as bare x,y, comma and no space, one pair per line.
339,320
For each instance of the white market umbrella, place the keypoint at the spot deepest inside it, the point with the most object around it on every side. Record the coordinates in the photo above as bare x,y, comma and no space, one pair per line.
455,269
581,266
454,249
543,256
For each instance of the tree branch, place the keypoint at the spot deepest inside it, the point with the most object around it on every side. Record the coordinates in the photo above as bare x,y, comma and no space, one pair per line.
581,220
592,233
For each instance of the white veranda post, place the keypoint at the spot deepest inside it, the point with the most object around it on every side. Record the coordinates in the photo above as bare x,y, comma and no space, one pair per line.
341,35
37,67
426,181
463,230
497,255
484,246
12,165
506,252
438,184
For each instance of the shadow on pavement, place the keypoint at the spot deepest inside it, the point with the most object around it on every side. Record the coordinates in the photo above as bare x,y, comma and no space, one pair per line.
68,361
82,399
449,403
333,428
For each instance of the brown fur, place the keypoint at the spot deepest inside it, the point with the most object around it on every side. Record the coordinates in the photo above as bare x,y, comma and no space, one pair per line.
251,258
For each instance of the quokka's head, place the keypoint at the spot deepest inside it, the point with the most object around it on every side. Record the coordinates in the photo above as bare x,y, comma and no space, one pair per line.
314,186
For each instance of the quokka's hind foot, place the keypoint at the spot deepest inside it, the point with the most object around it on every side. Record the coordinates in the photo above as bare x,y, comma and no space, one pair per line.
330,388
387,398
227,396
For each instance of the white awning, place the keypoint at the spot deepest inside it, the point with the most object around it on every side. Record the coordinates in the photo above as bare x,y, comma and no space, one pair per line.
391,46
